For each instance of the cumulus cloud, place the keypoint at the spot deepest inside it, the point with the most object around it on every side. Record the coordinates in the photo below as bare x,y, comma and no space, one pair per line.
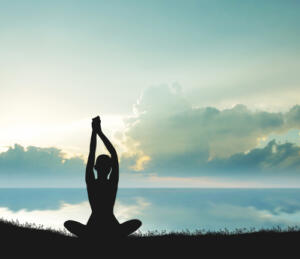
40,164
178,138
167,136
274,157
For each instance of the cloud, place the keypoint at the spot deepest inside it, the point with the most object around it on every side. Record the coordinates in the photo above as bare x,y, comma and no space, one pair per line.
168,137
274,157
39,164
182,139
212,182
140,163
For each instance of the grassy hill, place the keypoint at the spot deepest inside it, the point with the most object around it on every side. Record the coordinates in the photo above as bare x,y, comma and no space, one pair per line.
29,241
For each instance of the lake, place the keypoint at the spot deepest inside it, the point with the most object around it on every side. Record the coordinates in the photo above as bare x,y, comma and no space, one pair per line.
160,209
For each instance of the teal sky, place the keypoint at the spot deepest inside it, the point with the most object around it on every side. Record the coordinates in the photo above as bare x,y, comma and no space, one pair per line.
63,62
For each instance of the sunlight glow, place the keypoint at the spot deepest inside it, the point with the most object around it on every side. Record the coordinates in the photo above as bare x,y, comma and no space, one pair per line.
72,138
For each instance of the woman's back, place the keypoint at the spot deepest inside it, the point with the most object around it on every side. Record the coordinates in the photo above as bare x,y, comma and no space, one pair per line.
102,196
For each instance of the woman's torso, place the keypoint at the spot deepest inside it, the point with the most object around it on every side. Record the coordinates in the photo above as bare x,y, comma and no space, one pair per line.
102,196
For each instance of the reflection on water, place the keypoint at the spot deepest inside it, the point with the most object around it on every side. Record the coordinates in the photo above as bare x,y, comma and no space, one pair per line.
160,209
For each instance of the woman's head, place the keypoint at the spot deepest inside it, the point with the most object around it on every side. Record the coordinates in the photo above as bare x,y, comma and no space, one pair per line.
103,165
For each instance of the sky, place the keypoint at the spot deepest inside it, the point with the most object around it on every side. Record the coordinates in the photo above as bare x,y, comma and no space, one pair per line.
191,93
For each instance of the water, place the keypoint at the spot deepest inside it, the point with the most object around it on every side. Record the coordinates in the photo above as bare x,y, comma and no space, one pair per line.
160,209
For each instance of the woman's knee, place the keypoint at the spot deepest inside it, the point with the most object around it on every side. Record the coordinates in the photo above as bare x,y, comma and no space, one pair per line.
71,224
136,222
130,226
68,223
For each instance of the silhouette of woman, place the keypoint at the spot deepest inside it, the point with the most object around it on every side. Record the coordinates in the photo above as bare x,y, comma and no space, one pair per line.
102,193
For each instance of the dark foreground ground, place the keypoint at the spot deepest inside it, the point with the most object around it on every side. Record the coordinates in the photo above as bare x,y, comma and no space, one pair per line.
30,242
